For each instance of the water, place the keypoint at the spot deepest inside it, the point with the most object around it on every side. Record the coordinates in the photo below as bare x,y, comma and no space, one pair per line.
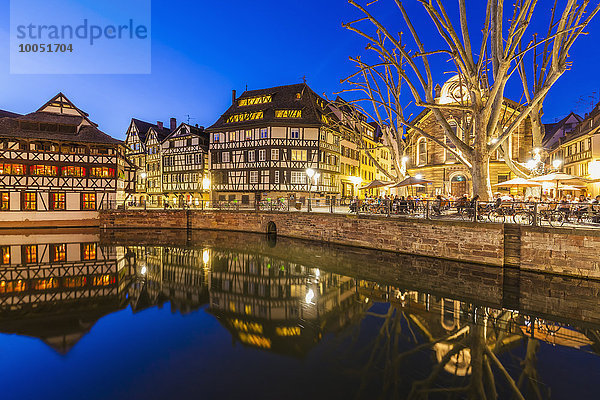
156,315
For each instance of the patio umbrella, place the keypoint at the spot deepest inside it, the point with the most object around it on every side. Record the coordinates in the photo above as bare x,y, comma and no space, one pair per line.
410,181
558,177
519,182
375,184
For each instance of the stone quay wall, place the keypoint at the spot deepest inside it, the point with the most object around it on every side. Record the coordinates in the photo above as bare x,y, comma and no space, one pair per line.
570,252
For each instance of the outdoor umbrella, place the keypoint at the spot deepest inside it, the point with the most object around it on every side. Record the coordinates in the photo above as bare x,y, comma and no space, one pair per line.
375,184
557,178
410,181
519,182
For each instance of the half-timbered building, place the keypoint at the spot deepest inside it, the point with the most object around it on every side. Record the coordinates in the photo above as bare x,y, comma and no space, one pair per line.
263,144
143,140
57,166
185,174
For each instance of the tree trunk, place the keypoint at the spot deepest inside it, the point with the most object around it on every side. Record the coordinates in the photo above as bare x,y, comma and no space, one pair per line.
480,169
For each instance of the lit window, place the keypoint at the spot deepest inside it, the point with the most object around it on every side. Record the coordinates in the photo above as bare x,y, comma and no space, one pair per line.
288,113
73,171
58,252
225,157
88,251
249,116
43,170
4,201
88,201
5,252
102,172
274,154
29,201
58,201
276,176
249,101
298,155
30,254
264,176
253,176
12,169
251,156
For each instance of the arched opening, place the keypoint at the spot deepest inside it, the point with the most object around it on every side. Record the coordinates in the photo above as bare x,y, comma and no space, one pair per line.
271,228
458,186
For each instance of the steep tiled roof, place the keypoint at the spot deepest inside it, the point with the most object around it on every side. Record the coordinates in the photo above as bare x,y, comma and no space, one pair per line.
4,113
551,129
283,98
143,128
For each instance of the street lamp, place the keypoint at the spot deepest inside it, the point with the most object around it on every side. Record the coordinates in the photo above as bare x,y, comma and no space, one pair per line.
312,174
557,163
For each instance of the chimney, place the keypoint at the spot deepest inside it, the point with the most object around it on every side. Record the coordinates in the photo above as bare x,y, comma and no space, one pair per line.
173,124
233,96
159,124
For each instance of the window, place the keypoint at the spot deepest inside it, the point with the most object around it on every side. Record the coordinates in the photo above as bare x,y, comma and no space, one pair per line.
12,169
44,170
264,133
422,151
216,137
274,154
262,155
102,172
88,251
298,177
248,134
73,171
295,133
225,157
298,155
276,176
249,116
4,201
503,177
88,201
288,113
58,201
29,201
5,252
58,252
264,176
253,176
249,101
30,254
251,156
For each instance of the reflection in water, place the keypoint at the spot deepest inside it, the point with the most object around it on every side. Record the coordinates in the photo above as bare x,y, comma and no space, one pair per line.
384,337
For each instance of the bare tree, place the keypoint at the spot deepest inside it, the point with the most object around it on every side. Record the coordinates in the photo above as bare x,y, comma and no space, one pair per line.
401,74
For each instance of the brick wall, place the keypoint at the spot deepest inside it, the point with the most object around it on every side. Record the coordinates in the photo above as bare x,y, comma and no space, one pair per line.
479,243
574,252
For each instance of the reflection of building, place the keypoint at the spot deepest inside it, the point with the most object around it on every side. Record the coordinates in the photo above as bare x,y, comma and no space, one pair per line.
57,166
263,144
278,305
56,287
435,163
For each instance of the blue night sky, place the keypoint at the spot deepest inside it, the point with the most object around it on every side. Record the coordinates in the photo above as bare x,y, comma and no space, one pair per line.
202,50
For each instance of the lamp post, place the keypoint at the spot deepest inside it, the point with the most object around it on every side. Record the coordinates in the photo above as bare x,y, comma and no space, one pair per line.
556,164
311,174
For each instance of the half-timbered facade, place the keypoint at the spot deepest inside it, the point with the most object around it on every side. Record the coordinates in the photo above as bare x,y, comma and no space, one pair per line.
143,141
57,166
263,144
577,152
185,175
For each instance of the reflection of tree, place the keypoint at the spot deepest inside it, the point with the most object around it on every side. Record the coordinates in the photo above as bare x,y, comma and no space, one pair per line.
466,351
